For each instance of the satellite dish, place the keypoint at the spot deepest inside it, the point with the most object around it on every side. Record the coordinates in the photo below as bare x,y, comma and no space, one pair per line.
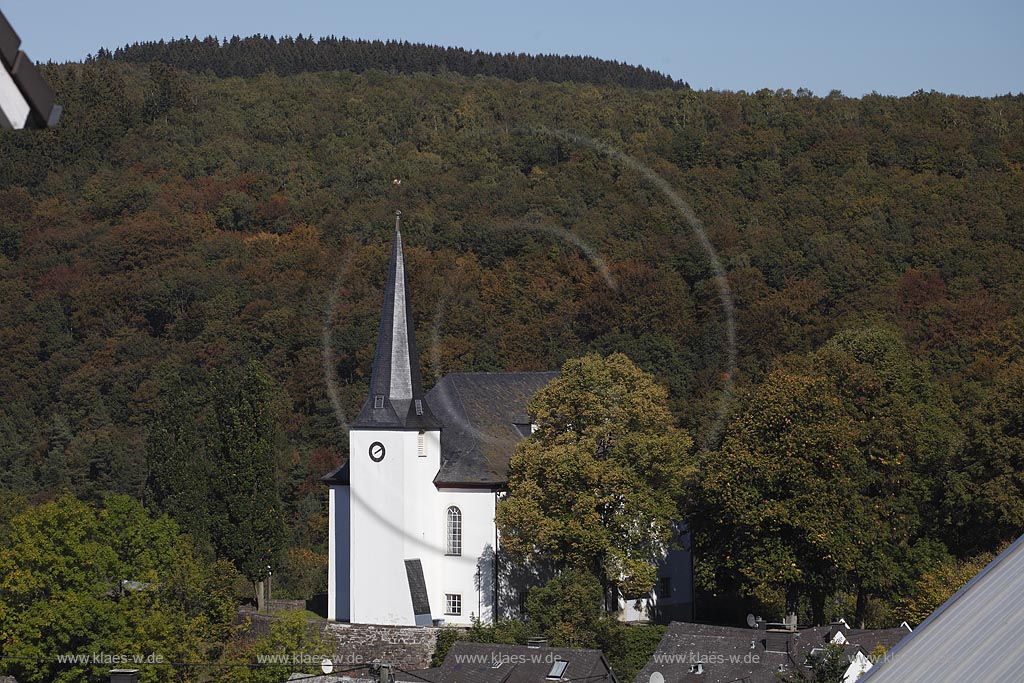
657,677
751,621
327,666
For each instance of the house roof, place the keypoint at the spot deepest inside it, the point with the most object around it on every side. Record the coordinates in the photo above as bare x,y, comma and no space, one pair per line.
483,416
973,636
395,400
496,663
419,676
728,653
339,476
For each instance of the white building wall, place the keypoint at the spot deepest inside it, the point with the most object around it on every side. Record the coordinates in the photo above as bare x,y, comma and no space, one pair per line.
379,586
422,539
396,513
459,574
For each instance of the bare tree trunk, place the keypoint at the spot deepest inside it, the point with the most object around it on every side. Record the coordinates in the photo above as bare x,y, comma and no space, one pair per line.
818,608
261,600
792,601
862,607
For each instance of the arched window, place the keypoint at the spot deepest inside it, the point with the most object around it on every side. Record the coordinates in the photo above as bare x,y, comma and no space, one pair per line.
454,531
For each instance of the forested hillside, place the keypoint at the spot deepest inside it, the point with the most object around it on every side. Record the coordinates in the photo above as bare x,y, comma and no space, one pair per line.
287,56
179,224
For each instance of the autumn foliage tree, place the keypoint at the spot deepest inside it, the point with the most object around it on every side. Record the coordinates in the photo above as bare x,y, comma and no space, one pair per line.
597,486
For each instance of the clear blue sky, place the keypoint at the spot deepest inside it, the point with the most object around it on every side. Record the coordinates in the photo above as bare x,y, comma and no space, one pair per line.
892,47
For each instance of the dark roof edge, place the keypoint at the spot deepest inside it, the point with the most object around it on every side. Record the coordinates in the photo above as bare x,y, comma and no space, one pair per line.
496,486
339,476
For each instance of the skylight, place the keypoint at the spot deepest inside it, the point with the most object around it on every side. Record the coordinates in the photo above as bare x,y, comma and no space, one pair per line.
557,670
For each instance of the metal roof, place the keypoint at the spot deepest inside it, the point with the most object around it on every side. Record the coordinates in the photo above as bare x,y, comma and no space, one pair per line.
973,636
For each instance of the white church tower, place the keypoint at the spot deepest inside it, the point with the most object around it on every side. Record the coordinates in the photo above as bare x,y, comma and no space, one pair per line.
381,494
412,533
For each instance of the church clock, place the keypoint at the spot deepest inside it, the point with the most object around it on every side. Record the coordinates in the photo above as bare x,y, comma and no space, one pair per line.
377,451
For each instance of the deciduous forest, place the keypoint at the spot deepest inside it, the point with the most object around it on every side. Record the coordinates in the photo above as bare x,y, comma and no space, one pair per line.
206,232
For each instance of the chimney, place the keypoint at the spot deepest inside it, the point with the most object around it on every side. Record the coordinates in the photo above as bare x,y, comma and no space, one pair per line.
124,676
837,626
778,640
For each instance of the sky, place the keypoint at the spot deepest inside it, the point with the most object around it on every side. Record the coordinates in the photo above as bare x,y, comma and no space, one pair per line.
857,47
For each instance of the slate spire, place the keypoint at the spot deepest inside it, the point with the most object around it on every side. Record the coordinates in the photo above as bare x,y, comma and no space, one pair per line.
396,389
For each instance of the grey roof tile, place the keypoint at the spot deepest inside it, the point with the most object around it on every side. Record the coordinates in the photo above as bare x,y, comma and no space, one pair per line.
726,652
475,663
479,412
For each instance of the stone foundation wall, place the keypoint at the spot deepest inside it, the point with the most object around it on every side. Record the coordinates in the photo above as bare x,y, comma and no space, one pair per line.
407,647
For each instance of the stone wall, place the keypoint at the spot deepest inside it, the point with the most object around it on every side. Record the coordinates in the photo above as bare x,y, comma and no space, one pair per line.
406,647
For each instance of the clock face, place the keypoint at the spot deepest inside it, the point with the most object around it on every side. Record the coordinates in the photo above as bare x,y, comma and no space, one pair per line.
376,451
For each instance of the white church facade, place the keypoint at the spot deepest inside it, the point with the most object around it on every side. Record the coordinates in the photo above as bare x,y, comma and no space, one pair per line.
412,534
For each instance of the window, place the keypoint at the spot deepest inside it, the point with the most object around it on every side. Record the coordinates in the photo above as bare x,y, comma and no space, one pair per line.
666,588
421,445
454,531
378,401
453,603
557,670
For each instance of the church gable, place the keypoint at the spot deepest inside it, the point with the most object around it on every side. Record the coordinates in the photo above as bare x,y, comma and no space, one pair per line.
483,417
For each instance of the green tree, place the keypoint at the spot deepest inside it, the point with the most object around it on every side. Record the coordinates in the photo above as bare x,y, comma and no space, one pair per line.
597,487
568,610
985,491
81,579
247,516
180,466
774,513
827,479
905,439
292,635
938,583
827,667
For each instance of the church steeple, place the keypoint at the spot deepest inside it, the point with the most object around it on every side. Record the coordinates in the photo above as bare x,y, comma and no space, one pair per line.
396,388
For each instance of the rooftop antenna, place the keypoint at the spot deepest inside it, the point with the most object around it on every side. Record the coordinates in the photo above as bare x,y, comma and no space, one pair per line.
398,218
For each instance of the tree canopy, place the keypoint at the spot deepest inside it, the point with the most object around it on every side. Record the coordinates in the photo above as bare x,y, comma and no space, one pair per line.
179,224
78,579
597,487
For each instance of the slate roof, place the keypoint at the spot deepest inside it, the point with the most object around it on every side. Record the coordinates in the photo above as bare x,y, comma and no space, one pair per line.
475,663
337,476
396,367
973,636
417,588
419,676
483,416
726,654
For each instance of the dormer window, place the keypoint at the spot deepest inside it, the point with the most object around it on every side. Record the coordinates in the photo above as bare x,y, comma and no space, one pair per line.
378,401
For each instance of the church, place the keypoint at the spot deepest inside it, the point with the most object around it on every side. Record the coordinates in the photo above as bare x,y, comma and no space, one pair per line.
412,534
